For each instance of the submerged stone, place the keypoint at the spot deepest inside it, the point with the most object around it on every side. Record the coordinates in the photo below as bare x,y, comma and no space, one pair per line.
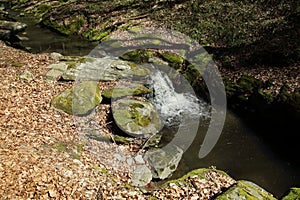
136,116
245,190
79,100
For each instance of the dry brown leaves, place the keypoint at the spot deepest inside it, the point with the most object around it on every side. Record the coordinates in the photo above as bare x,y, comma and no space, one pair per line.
30,165
30,168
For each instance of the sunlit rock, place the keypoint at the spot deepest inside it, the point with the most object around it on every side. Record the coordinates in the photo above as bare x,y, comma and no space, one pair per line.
79,100
245,190
136,116
123,90
141,175
104,69
27,76
164,161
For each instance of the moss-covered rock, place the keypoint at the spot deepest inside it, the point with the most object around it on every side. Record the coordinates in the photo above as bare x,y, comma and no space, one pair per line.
138,56
294,194
136,116
245,190
126,90
79,100
173,59
206,183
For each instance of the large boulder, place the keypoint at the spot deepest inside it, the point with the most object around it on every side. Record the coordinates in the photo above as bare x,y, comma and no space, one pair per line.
79,100
104,69
200,183
293,194
136,116
245,190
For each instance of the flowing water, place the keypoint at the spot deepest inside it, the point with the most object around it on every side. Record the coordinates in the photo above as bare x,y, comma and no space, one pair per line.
239,151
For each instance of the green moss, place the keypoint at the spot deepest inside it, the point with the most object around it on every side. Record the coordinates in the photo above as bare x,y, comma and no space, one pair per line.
42,9
78,100
138,70
138,56
61,147
172,58
266,95
96,35
249,84
130,90
71,148
294,194
245,190
200,173
17,64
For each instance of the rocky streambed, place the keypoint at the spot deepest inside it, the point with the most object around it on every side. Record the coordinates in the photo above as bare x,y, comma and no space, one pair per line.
250,92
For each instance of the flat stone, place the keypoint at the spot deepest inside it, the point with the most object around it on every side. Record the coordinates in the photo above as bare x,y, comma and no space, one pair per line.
139,159
79,100
104,69
132,89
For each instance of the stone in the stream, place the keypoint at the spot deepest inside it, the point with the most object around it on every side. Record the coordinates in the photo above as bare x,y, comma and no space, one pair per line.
136,116
79,100
123,90
245,190
104,69
164,161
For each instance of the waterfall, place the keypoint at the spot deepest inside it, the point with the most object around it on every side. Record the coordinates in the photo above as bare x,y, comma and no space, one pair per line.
173,106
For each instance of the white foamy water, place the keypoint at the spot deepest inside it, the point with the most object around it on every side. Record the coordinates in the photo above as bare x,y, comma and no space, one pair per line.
173,106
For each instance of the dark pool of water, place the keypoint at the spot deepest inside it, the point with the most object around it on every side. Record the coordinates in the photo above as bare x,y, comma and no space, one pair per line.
239,151
41,40
243,155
